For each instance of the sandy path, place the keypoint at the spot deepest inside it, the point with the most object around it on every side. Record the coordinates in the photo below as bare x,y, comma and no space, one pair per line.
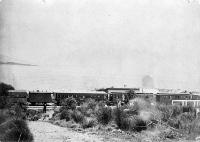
47,132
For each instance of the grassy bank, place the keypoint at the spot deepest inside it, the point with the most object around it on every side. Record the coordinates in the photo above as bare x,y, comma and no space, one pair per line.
141,120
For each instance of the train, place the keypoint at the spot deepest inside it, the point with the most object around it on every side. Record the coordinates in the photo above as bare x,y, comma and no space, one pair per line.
36,98
111,96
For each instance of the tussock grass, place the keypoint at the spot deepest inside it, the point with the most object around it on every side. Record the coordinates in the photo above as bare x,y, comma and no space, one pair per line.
77,116
69,103
15,130
65,114
104,115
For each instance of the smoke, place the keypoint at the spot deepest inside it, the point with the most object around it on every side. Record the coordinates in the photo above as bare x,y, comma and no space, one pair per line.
145,115
147,82
146,110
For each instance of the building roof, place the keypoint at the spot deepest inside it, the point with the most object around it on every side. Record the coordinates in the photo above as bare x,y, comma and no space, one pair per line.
17,91
173,93
40,92
112,88
82,91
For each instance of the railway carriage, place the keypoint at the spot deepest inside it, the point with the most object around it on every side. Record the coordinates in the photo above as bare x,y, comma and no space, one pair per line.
79,96
167,98
39,98
16,96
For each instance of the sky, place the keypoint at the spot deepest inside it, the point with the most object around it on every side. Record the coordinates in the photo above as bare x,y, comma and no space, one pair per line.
100,43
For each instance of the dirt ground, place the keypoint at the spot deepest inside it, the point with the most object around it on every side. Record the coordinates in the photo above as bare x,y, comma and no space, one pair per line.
45,131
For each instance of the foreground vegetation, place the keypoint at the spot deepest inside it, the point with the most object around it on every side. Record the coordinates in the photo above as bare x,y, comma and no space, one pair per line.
141,120
13,126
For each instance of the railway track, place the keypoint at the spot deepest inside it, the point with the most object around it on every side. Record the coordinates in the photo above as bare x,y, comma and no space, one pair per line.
41,107
51,107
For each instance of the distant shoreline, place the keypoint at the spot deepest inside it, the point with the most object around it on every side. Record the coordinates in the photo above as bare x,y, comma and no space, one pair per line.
14,63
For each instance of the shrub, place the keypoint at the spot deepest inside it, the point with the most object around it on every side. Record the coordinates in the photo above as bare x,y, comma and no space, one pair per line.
17,130
189,109
101,104
69,103
88,123
88,107
84,110
91,104
18,110
119,116
166,112
125,124
186,121
195,129
65,114
174,122
3,102
4,94
168,133
104,115
33,114
176,110
3,118
77,116
133,123
139,104
186,117
139,124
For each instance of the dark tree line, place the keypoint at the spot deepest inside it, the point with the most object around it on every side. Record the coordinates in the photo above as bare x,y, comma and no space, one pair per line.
4,94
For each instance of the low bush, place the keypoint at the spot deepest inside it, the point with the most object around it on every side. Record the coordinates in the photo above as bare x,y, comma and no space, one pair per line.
104,115
3,118
77,116
101,104
90,104
139,104
186,121
88,107
176,110
85,110
194,130
139,124
16,130
33,115
119,116
125,124
65,114
166,112
133,123
69,103
189,108
167,133
88,123
18,110
3,102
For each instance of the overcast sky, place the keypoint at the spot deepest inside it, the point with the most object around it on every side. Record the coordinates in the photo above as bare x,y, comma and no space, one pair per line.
104,42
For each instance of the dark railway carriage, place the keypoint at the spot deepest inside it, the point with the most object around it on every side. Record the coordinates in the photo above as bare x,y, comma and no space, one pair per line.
38,98
115,98
117,95
17,96
79,96
166,98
